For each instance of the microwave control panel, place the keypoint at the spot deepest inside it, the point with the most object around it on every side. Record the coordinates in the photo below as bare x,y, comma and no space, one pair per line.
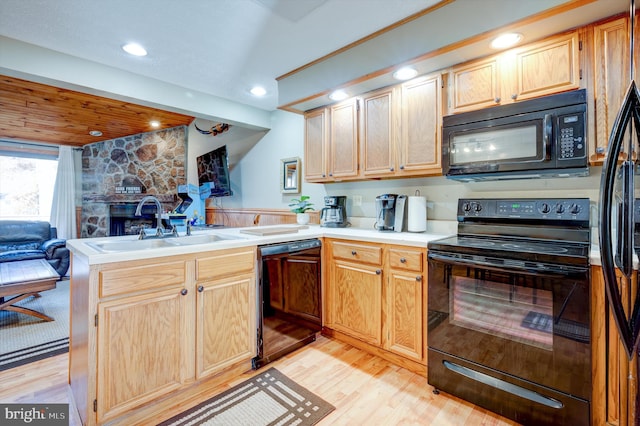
570,136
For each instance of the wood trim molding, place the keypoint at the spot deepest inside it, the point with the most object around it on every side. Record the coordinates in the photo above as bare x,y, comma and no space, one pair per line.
242,217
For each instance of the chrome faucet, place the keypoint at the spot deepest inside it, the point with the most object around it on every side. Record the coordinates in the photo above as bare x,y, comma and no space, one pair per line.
146,198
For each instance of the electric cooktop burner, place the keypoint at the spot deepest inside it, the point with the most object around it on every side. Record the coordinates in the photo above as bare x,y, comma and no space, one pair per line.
527,250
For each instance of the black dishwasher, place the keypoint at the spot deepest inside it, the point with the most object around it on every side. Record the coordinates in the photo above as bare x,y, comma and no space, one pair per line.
289,298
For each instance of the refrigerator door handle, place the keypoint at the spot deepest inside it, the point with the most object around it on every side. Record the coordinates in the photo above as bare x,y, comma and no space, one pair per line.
624,256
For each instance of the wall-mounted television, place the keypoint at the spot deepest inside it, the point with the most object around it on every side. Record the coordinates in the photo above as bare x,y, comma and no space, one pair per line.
213,172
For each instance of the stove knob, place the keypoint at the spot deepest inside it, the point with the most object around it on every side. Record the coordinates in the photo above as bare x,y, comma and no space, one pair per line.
544,208
574,209
477,207
466,207
560,208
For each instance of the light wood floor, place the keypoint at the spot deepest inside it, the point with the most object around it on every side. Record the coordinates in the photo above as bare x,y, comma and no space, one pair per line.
364,389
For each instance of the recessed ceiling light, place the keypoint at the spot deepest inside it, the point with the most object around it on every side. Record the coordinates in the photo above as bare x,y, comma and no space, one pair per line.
338,95
95,133
134,49
405,73
154,123
506,40
258,91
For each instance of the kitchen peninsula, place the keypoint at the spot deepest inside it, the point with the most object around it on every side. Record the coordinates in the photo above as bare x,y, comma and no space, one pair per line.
152,328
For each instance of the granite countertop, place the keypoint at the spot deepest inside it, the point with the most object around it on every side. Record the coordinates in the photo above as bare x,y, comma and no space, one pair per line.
235,237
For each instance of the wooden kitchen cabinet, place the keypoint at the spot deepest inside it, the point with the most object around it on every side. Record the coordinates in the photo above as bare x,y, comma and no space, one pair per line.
419,150
343,140
225,310
148,333
400,130
355,290
331,143
610,80
397,130
405,299
615,378
379,133
537,69
140,320
376,300
316,145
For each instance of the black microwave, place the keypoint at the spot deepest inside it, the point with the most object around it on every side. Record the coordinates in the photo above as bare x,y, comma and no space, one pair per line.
542,137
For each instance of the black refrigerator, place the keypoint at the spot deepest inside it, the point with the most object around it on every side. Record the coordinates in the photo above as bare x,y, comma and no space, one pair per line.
619,207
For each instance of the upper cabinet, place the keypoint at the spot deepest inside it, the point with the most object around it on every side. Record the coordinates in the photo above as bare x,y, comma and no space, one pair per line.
542,68
610,80
343,140
379,133
388,133
331,143
420,127
316,137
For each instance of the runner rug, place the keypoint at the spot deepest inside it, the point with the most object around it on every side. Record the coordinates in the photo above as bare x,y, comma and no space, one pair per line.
270,398
26,338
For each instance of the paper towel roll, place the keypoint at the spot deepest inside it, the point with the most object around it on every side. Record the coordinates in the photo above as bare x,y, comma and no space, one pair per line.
417,214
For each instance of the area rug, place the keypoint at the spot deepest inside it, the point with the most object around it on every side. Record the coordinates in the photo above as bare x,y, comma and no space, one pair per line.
270,398
26,338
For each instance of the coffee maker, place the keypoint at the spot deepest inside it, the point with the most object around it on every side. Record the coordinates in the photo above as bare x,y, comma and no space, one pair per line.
334,214
391,212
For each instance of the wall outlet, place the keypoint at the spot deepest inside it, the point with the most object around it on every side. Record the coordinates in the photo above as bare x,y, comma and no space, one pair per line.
357,200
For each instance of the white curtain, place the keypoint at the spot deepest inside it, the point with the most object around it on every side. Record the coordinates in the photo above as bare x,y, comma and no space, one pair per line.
63,209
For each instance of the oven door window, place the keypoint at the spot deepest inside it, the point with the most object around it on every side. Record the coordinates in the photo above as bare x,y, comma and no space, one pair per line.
515,320
499,306
503,144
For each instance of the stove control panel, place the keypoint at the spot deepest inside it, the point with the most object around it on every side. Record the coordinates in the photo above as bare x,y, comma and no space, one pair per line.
572,209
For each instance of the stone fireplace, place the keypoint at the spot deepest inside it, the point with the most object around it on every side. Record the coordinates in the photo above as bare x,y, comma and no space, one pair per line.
117,173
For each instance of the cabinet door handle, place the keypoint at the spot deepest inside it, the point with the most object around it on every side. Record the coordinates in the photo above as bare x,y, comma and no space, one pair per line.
200,289
184,292
600,150
514,96
378,271
403,260
353,252
391,169
418,278
402,167
497,100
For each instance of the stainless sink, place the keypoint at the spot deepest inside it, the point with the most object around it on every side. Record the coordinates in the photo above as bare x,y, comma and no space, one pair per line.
198,239
151,243
129,245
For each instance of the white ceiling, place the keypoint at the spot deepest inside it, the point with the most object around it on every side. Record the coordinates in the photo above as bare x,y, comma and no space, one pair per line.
218,47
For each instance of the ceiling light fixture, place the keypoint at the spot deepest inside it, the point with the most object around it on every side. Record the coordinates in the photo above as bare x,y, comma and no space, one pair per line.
95,133
338,95
506,40
134,49
154,123
405,73
258,91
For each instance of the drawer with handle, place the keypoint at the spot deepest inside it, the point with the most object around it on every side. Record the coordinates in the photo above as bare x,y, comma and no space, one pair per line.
357,252
406,259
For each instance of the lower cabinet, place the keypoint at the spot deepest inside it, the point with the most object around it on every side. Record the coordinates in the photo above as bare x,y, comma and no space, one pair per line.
406,303
142,349
223,327
615,377
377,295
156,329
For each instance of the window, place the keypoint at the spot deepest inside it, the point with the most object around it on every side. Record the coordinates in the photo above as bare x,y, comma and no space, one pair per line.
26,187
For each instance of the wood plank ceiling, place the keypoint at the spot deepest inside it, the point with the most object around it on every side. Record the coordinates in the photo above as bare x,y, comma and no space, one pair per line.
40,113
